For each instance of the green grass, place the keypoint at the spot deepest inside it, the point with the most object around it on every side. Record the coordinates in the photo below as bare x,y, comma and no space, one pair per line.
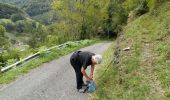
162,65
120,82
102,91
130,79
154,28
12,74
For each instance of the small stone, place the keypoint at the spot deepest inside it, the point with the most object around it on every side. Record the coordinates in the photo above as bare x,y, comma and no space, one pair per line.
126,49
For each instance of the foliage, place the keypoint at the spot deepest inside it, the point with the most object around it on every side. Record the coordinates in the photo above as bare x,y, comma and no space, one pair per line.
3,38
7,56
153,4
38,36
91,18
8,24
32,7
47,18
144,66
26,25
136,8
116,17
104,80
84,17
76,19
130,5
37,9
7,11
59,33
2,31
11,55
18,23
16,17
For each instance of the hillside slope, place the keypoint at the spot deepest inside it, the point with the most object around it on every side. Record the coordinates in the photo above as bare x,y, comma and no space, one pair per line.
6,11
39,10
18,25
143,71
146,65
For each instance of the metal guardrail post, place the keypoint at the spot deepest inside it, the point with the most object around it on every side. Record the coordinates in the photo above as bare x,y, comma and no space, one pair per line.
1,66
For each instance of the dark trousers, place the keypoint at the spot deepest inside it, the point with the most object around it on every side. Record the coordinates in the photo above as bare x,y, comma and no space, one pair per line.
77,68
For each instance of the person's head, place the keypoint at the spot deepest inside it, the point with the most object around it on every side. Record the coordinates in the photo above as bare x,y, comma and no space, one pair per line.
96,59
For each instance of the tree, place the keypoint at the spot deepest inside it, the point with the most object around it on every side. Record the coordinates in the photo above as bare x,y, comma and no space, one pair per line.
2,31
16,17
8,24
84,17
2,61
4,41
38,37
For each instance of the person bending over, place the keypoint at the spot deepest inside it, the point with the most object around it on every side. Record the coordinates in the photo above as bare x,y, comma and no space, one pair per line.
80,60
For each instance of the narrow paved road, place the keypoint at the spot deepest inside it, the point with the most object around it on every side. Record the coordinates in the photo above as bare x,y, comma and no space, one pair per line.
51,81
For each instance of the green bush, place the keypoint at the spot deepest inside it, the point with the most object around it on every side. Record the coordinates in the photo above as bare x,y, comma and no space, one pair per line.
7,10
2,30
4,42
16,17
9,57
130,5
155,3
3,38
11,54
8,24
38,36
2,61
142,8
72,44
26,25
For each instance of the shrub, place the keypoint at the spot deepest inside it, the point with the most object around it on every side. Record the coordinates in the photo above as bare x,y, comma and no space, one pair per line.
2,30
16,17
152,4
8,24
4,41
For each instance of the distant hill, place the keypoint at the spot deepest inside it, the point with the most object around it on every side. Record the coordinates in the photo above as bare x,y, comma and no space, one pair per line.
39,10
6,11
19,26
32,7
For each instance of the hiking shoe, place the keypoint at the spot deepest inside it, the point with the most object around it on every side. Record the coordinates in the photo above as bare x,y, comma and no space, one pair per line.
81,90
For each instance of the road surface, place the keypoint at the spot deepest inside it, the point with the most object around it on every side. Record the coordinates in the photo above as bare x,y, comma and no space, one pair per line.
51,81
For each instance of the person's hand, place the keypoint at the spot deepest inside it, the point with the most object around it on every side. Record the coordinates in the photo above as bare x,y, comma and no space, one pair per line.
91,76
88,79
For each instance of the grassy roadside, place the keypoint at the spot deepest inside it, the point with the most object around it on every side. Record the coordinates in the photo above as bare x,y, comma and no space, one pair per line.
151,34
12,74
114,84
105,82
143,72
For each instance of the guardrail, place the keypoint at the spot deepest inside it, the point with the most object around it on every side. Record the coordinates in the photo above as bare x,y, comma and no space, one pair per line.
3,69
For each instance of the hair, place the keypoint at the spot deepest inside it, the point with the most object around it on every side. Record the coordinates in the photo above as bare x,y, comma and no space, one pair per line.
97,58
